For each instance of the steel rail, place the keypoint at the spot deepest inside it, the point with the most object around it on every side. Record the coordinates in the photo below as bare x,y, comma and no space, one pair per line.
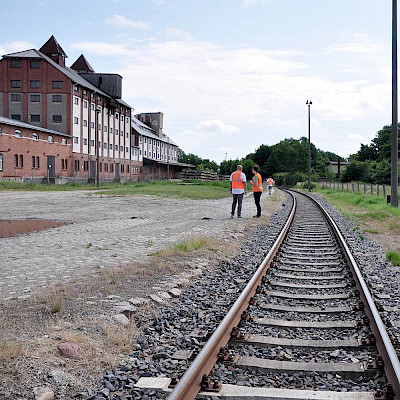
383,342
189,385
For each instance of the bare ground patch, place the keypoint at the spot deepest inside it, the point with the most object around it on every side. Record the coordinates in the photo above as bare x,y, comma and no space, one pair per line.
81,312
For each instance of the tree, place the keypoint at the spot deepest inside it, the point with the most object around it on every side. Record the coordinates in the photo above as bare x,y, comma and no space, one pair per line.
357,171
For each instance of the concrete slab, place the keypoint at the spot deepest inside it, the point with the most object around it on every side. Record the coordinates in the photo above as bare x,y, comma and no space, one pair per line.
306,324
262,340
308,296
317,270
303,286
316,310
308,277
344,369
235,392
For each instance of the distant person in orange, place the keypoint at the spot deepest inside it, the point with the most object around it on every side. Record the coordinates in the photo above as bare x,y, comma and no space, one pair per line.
238,189
270,183
256,183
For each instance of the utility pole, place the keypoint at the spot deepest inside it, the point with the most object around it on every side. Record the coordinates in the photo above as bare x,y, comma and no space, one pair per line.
308,103
394,198
97,136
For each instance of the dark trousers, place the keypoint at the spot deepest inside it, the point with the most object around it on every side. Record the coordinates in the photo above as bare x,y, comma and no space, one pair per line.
257,198
237,198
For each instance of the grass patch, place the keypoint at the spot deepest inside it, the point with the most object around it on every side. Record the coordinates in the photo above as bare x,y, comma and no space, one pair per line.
10,350
11,185
196,190
371,230
188,245
393,257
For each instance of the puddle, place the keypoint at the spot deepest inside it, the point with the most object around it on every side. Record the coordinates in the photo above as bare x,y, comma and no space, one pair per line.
9,228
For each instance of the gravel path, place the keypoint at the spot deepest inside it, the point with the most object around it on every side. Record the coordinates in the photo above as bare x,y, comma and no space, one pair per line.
104,231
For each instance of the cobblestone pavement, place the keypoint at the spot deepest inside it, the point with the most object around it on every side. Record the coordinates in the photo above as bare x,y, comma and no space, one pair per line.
104,231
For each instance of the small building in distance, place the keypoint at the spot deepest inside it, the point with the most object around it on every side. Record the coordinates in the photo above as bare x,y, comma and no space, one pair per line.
338,167
29,153
156,150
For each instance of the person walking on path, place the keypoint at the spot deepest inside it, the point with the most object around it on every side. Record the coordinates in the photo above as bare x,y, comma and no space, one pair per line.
270,182
256,183
238,189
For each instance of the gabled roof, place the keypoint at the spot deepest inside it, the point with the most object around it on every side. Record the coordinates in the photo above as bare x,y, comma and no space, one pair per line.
82,64
52,47
144,130
21,124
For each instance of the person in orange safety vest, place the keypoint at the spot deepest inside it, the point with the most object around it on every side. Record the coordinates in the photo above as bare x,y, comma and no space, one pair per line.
238,189
270,182
256,183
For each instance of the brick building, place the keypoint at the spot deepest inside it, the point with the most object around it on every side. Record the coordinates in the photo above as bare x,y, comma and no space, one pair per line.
30,153
157,151
37,88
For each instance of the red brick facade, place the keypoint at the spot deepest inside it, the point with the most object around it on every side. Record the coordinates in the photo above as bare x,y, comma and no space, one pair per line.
25,152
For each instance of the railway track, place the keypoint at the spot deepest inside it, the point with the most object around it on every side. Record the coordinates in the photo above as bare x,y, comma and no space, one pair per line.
306,312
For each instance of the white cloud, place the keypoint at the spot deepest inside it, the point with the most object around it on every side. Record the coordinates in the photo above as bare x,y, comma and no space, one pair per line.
14,46
355,137
216,125
248,3
178,34
124,22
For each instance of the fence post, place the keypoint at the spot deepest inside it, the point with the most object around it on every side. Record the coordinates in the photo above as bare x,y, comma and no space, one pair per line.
358,187
377,190
342,186
347,184
384,190
352,186
365,188
372,190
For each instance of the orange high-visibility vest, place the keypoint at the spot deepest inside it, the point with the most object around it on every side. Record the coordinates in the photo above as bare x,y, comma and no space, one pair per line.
237,182
269,182
258,187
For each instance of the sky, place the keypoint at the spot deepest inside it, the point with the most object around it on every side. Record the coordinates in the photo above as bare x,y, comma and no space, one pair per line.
230,75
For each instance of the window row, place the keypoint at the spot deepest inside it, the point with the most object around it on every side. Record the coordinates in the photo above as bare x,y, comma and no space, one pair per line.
35,84
35,98
33,64
56,119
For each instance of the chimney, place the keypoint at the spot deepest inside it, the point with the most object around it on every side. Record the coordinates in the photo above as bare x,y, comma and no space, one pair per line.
53,50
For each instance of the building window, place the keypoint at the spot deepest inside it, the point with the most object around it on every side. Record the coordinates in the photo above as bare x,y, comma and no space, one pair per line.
127,120
111,167
64,142
85,165
35,84
1,162
57,119
116,116
92,106
17,97
50,139
127,149
92,125
57,85
104,145
35,98
85,141
35,64
37,162
17,117
33,162
76,120
76,89
76,165
98,127
15,160
85,122
105,167
15,83
18,134
85,103
111,146
116,132
105,129
84,91
64,164
92,143
101,167
35,118
145,140
121,133
35,136
76,100
127,169
76,139
111,130
122,168
15,63
121,148
127,134
57,98
21,161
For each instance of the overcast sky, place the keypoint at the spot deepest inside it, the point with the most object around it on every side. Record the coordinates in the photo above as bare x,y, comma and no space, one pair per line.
230,75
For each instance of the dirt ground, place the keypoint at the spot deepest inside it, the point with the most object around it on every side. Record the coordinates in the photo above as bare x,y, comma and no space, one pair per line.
77,306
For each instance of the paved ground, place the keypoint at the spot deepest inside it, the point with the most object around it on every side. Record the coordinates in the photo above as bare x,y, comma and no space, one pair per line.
104,231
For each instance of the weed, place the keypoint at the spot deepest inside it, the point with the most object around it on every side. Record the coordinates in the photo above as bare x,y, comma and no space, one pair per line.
371,230
393,257
89,245
10,350
149,243
361,237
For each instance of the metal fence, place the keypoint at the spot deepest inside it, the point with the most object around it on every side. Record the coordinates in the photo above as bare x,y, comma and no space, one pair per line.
357,187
